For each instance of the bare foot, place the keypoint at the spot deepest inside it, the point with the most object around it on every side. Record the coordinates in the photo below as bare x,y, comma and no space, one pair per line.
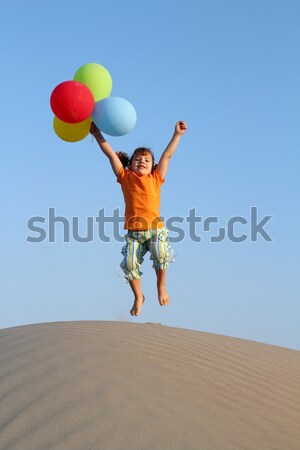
137,305
163,297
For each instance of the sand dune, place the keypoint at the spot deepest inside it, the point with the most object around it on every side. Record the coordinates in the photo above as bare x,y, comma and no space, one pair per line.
118,385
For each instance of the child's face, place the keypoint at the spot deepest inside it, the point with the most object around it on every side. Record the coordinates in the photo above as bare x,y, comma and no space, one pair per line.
142,164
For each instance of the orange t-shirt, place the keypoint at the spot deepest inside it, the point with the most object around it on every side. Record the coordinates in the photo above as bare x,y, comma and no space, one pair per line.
142,199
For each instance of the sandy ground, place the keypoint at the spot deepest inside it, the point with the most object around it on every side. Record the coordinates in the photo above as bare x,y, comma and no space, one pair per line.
119,385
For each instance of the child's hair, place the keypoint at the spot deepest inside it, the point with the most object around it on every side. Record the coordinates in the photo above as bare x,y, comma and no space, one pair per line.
126,160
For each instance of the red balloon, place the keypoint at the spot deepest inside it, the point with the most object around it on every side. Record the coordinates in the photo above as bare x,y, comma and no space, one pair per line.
72,101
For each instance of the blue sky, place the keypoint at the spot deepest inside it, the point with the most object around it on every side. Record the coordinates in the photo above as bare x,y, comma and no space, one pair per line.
230,69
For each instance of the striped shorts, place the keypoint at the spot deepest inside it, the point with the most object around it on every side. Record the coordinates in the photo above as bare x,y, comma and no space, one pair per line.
138,243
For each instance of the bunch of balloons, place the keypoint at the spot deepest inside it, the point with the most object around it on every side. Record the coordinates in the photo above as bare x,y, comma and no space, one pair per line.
86,98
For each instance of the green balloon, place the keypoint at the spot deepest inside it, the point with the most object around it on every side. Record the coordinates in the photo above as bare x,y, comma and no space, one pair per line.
97,78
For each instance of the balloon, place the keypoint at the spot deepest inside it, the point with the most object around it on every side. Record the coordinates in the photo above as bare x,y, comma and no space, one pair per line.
96,78
72,132
114,116
72,102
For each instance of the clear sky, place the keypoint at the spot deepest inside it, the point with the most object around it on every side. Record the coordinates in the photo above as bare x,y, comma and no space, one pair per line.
231,70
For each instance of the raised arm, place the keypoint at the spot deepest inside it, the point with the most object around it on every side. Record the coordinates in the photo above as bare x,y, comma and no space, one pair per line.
162,166
107,149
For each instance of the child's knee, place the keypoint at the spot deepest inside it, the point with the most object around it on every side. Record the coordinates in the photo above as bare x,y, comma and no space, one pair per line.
160,254
131,270
131,262
130,273
160,264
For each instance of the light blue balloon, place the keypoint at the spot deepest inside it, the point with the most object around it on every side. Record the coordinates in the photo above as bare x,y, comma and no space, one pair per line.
114,116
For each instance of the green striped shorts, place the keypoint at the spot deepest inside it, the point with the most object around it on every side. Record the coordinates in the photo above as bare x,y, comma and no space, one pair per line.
138,243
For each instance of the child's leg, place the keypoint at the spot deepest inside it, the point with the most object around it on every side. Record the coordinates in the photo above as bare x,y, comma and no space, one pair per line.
159,249
138,296
163,296
133,252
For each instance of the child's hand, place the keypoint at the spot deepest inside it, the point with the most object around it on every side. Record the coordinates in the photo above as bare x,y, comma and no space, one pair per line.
180,128
94,129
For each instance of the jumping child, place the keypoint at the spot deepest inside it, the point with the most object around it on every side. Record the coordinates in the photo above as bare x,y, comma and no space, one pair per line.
141,180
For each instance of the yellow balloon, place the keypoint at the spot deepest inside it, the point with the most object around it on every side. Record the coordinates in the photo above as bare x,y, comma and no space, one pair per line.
71,132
